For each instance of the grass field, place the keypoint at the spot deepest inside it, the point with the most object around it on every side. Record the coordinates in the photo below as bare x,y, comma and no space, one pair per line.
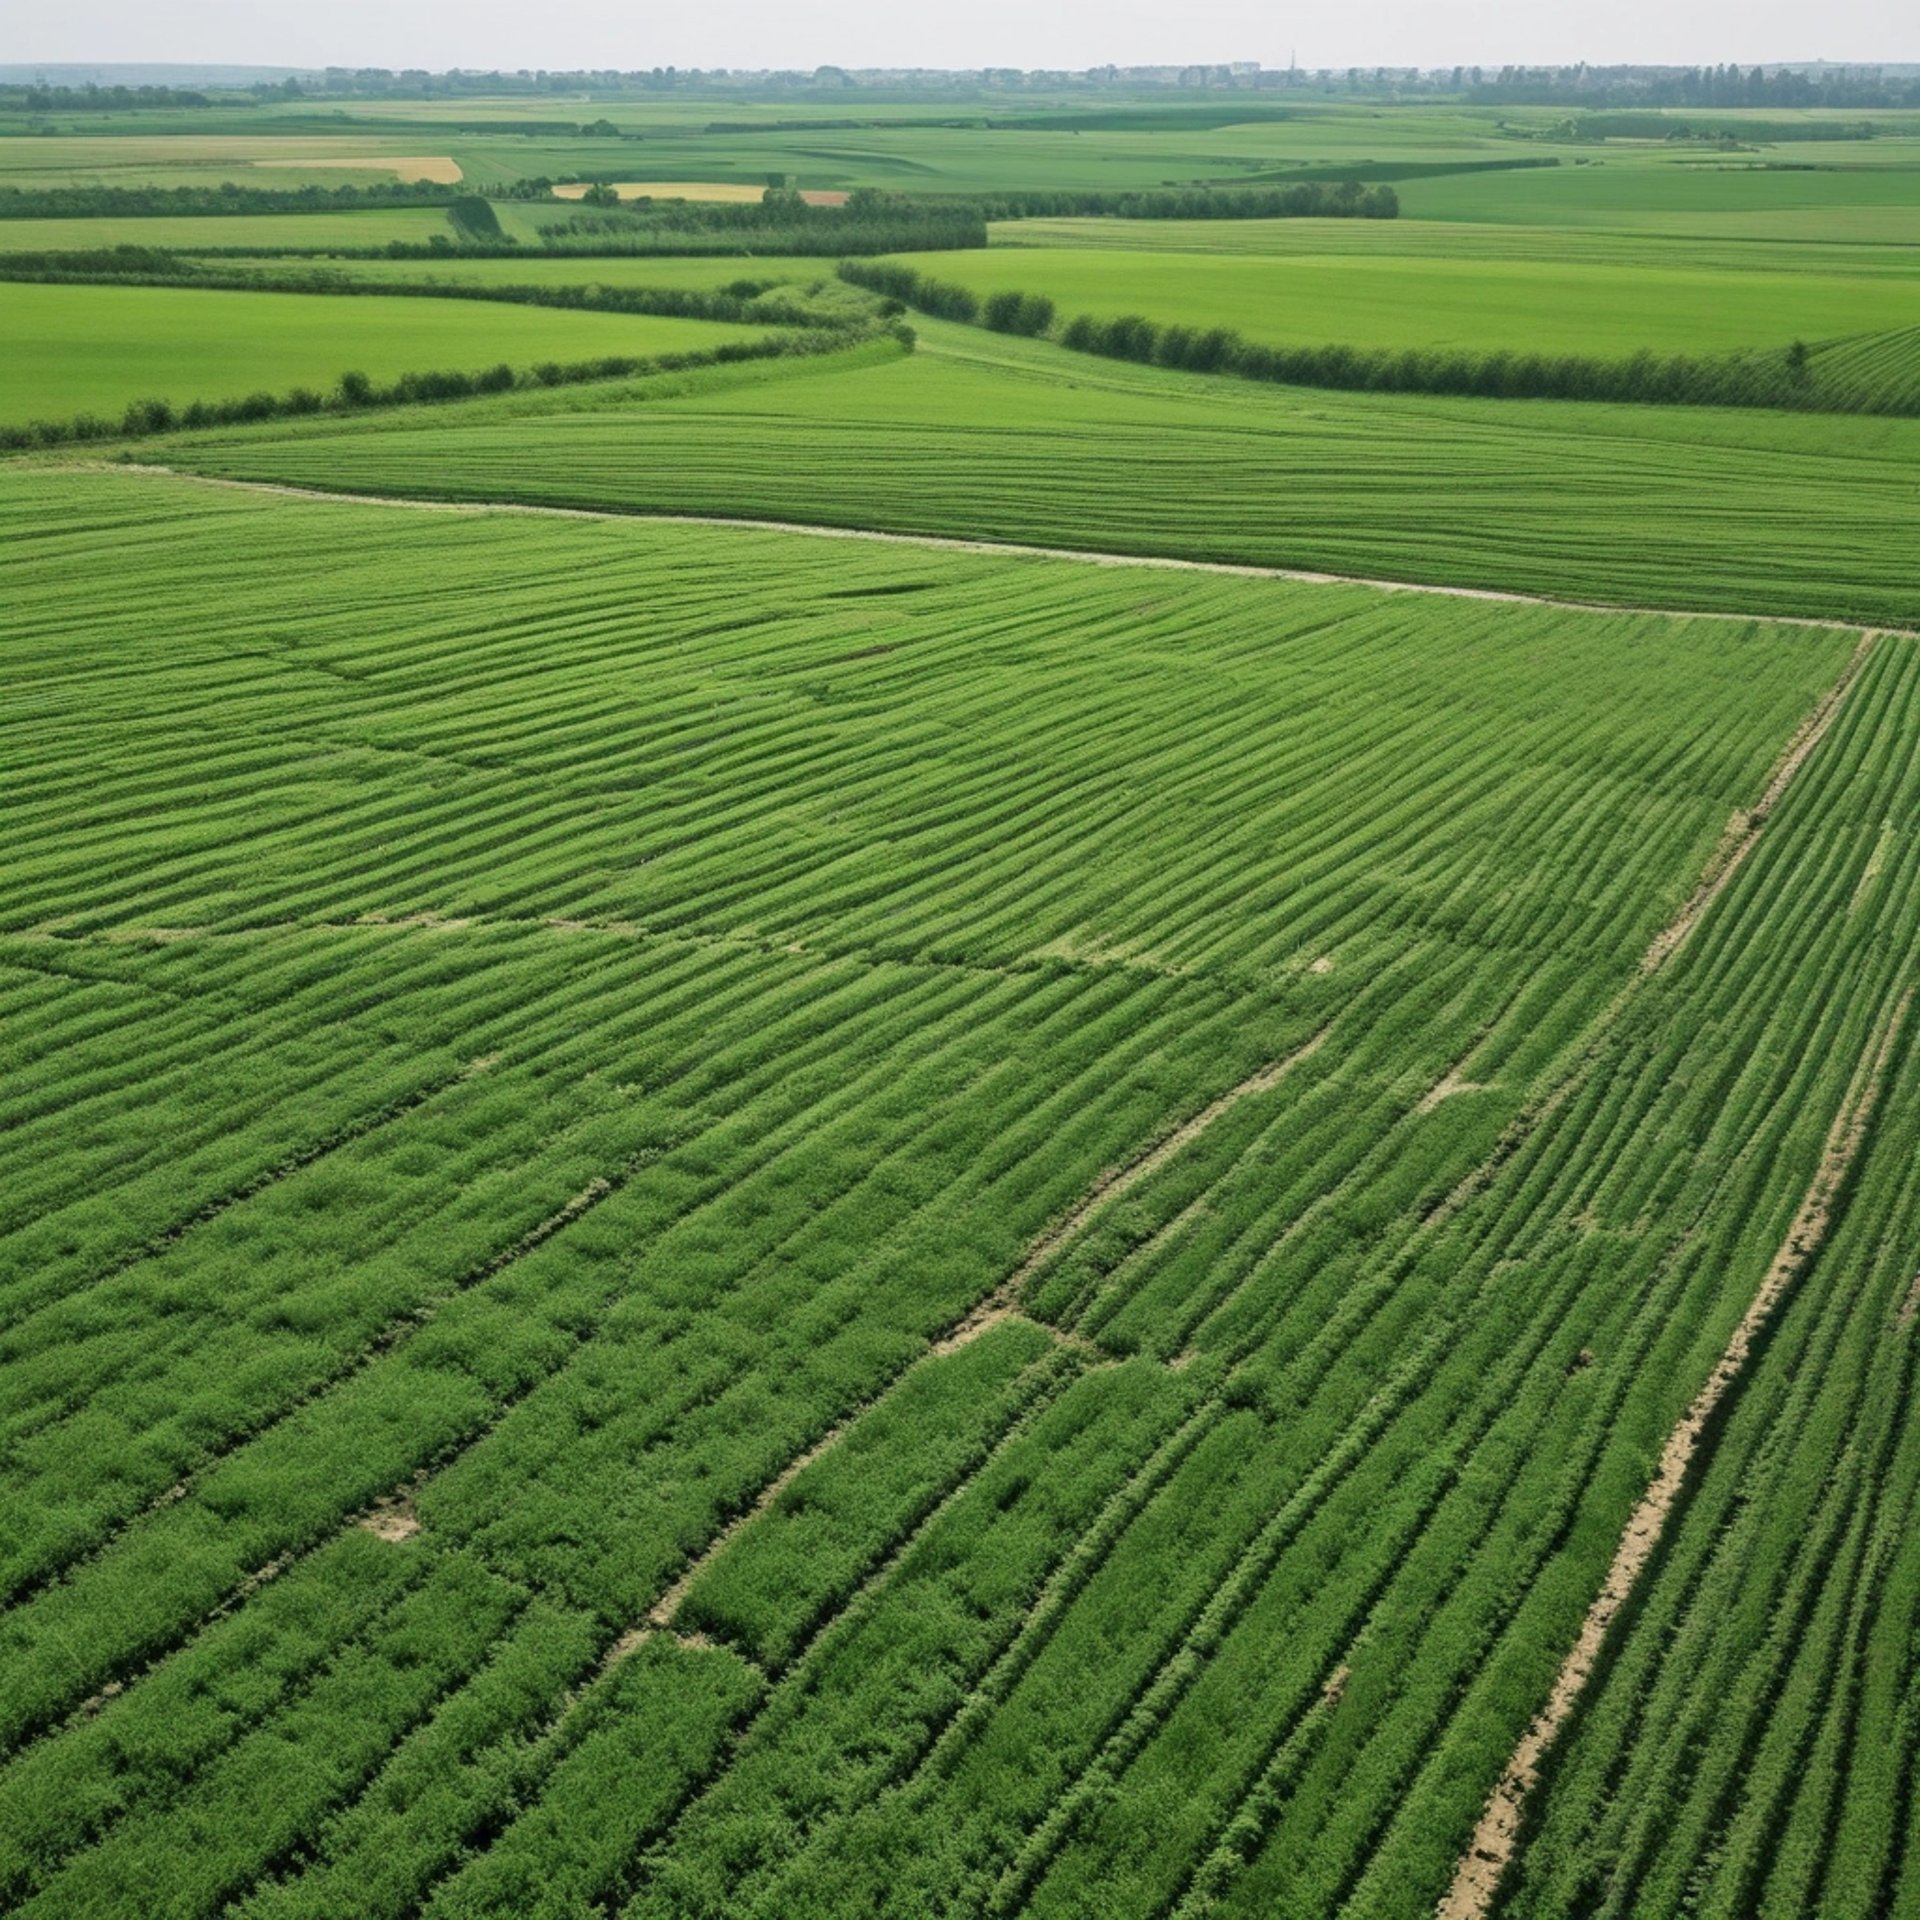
929,1128
66,347
565,1032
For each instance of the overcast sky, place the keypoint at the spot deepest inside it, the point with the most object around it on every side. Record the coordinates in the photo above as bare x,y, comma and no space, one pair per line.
1017,33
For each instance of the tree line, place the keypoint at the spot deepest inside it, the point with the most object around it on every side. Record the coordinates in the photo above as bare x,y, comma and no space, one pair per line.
81,203
1294,200
742,302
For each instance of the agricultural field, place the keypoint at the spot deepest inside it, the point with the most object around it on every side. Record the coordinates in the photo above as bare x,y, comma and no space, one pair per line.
1488,305
978,434
66,346
814,1113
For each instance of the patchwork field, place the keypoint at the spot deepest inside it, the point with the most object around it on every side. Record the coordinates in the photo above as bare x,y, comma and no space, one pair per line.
826,1116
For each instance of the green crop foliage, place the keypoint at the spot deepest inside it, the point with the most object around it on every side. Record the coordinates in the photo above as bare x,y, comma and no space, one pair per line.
1469,305
989,436
514,1061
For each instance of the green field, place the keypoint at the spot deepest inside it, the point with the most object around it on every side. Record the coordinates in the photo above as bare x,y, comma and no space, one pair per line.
373,227
669,976
74,349
900,1124
1473,303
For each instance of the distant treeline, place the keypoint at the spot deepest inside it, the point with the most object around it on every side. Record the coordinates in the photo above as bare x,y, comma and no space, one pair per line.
744,302
1780,379
80,203
356,393
92,99
1298,200
1722,86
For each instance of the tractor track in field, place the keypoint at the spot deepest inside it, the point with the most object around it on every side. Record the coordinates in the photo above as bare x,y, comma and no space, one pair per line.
1000,549
1482,1867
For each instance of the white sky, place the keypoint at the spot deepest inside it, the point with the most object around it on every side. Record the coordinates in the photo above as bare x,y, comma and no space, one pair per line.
1015,33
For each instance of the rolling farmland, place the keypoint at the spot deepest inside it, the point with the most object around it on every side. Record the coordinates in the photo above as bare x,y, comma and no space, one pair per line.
841,1117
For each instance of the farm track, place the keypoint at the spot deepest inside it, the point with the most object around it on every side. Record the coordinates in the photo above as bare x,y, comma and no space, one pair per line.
1477,1878
998,549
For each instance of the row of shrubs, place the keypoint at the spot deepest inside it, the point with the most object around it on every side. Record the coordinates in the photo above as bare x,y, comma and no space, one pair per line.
1295,200
1777,379
1758,380
356,392
741,301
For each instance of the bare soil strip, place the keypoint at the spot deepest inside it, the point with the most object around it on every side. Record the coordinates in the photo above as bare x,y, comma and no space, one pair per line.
1743,830
943,543
1481,1868
999,1306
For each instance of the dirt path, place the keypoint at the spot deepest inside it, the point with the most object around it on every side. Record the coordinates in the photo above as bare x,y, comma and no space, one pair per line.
1478,1875
943,543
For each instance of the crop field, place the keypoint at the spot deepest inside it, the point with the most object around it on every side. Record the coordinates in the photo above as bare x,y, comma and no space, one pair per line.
976,434
66,346
638,1092
813,1113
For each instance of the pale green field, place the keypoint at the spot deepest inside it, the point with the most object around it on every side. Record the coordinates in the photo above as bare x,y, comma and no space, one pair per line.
66,350
1738,198
1461,240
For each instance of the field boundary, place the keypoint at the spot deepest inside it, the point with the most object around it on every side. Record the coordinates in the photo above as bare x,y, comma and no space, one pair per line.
999,549
1496,1838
